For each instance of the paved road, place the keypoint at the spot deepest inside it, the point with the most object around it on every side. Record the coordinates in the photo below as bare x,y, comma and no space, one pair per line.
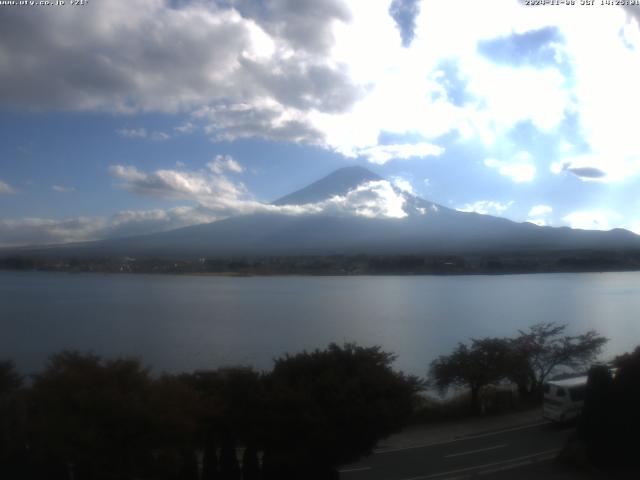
484,454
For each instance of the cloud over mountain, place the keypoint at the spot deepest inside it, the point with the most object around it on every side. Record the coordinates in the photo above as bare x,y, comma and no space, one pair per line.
212,196
40,231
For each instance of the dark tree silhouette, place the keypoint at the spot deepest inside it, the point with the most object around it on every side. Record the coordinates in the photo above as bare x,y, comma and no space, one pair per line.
330,407
484,362
626,408
232,400
210,459
250,463
10,380
106,418
543,348
12,421
596,417
91,419
611,419
229,467
188,465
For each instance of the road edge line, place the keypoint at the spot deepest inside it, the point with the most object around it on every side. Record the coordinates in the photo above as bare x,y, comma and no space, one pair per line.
460,439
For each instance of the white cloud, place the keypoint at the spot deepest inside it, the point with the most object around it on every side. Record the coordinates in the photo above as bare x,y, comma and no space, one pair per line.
381,154
224,163
62,189
142,133
213,191
5,188
541,222
593,219
403,185
185,128
31,231
518,172
539,213
486,207
375,199
132,132
159,136
540,210
634,226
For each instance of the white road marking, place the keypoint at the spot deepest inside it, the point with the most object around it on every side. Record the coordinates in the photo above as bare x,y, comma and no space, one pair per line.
475,451
517,461
358,469
461,439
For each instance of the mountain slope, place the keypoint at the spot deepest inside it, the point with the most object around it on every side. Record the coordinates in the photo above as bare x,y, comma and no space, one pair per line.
425,228
336,183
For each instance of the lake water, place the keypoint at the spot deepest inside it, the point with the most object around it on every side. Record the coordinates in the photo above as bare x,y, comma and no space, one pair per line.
182,323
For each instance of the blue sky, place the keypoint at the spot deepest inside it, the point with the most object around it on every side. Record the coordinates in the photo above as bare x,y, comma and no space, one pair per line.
119,118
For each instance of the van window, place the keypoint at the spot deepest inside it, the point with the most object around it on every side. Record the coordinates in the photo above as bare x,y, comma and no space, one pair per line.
560,392
577,393
546,388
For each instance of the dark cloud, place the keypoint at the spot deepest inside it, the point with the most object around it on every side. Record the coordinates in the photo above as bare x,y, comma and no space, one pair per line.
148,55
633,11
304,86
586,172
118,57
228,122
529,48
404,12
304,24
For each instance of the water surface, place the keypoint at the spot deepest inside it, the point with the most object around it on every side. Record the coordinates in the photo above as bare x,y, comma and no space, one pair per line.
178,323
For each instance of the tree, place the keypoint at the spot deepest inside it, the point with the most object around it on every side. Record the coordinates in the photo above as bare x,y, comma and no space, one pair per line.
12,421
482,363
229,467
250,463
610,420
543,348
10,380
626,414
210,460
329,407
597,414
232,401
93,415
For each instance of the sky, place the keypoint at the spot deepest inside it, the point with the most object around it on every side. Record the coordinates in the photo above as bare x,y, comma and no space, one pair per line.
121,118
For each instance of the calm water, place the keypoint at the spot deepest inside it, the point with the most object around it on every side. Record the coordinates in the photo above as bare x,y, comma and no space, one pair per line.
178,323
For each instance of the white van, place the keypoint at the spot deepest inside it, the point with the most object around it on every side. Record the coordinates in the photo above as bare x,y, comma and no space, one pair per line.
563,399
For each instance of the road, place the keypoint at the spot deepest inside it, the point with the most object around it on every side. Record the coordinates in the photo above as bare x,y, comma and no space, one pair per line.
484,454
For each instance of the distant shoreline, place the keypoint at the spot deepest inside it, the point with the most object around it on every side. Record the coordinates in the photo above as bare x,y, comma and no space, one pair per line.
474,263
315,274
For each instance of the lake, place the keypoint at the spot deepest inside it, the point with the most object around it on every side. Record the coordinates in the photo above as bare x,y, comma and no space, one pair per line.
182,323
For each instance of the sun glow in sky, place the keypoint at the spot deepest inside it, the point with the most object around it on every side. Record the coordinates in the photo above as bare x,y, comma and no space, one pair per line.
119,118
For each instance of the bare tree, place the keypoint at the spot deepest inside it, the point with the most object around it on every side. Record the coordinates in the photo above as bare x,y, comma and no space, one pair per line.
543,348
476,366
